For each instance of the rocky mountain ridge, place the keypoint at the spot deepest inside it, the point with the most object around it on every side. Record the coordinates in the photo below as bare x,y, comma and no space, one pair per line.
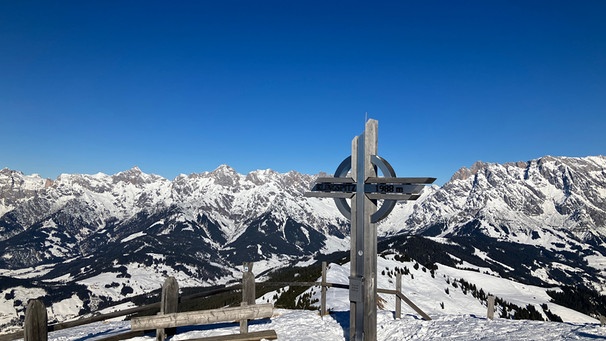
540,222
520,201
223,200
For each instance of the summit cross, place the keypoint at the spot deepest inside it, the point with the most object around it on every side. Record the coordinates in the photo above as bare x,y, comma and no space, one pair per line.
356,178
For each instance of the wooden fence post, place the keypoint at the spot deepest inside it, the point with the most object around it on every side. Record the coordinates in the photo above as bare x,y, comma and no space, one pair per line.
169,303
248,284
36,320
248,292
244,322
323,298
490,307
398,299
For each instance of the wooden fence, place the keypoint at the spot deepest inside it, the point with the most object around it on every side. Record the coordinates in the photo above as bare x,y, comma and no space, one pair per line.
148,309
36,328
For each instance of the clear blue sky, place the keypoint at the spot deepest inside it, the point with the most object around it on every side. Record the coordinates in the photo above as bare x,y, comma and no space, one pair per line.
185,86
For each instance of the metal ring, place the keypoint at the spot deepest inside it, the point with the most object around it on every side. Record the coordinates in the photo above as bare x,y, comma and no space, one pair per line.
341,203
388,171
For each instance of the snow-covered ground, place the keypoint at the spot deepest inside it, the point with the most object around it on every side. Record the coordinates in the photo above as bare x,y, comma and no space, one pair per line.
301,325
437,294
455,315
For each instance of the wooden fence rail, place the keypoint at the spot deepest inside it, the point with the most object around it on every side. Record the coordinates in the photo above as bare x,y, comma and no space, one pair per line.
148,308
192,318
248,298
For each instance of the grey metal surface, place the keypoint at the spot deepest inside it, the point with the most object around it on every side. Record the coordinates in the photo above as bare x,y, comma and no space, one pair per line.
341,195
395,180
391,197
341,172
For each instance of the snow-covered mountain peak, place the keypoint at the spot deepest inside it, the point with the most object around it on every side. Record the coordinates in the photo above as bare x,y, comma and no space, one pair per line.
18,180
260,177
226,176
7,171
465,173
15,187
562,196
136,177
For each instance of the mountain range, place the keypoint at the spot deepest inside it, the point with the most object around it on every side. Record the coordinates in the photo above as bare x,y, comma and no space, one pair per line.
540,222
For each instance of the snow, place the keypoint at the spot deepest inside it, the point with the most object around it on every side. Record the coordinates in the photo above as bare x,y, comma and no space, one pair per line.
597,261
133,236
334,244
455,315
305,325
274,262
142,279
30,272
430,294
66,309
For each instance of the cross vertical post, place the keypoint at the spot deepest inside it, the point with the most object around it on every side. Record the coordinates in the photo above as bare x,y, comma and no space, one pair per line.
357,179
363,252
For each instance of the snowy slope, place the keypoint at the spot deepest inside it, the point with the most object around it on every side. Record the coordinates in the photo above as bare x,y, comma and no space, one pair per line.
430,292
461,319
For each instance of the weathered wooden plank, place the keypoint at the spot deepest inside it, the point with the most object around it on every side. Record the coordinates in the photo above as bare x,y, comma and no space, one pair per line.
153,308
387,291
354,236
379,196
393,188
36,320
212,292
252,336
169,303
398,299
380,180
370,240
328,195
243,323
202,317
293,284
335,180
490,307
12,336
323,296
248,291
414,307
248,284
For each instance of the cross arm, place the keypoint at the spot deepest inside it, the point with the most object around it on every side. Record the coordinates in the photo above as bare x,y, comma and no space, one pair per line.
344,195
378,180
335,180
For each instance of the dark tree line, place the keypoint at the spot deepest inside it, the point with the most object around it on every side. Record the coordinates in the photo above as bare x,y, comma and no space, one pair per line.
508,310
581,299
